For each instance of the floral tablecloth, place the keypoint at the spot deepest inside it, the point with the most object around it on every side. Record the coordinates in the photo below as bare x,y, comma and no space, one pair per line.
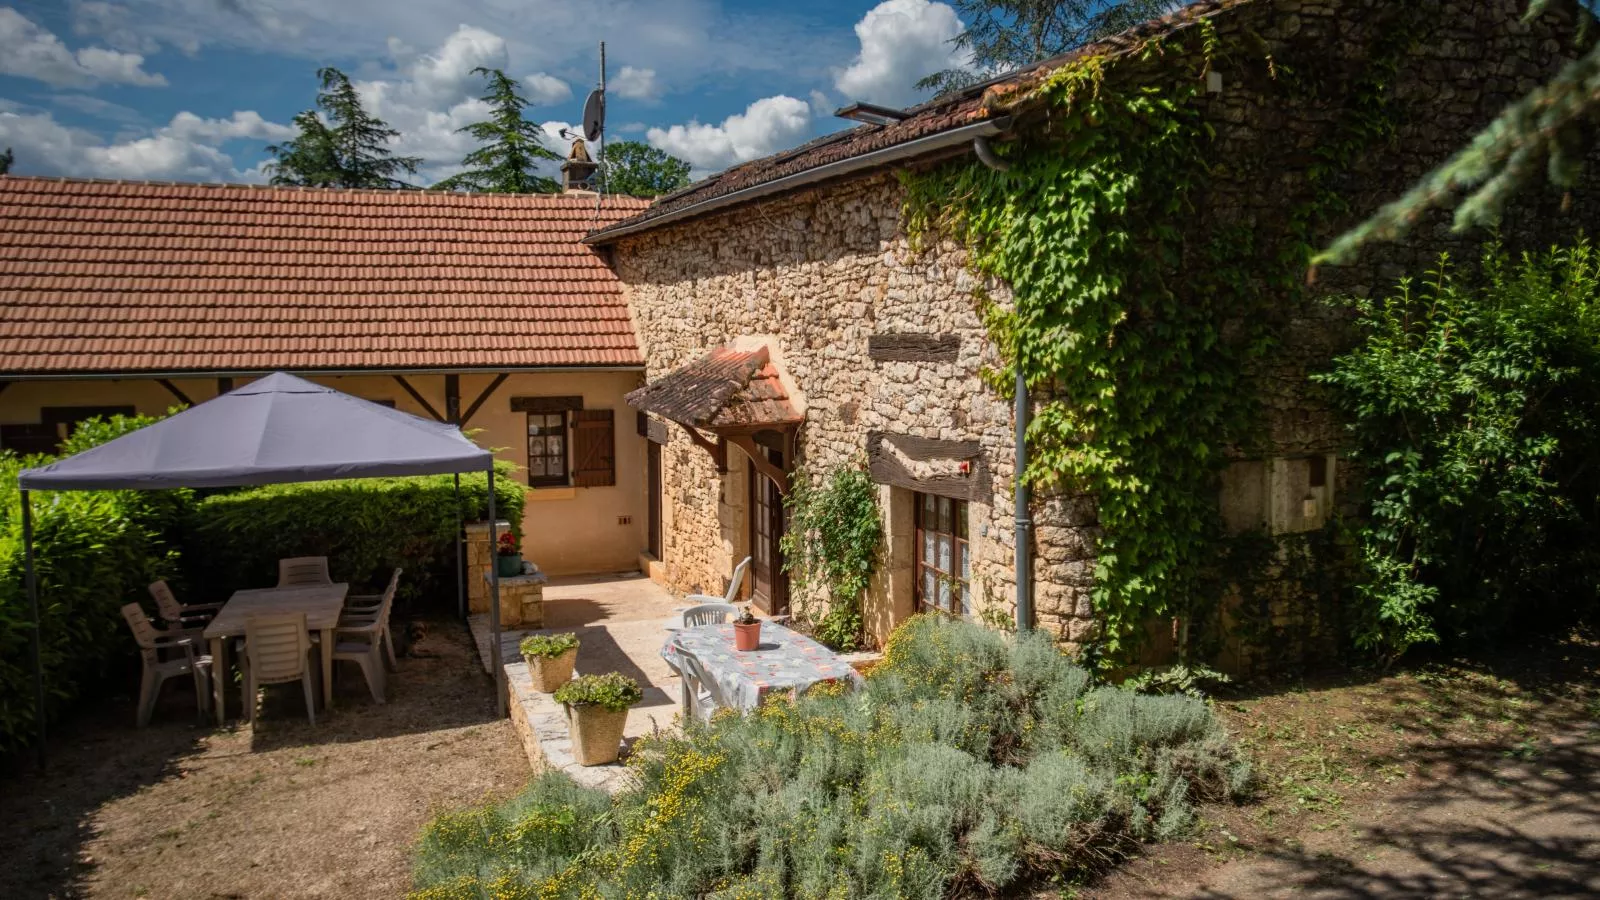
785,660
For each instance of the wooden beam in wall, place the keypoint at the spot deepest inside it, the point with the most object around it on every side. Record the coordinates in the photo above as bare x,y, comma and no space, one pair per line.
924,348
885,451
173,389
478,403
758,458
717,449
452,398
421,401
546,404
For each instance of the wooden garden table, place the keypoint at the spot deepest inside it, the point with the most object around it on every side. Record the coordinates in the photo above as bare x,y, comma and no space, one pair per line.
321,603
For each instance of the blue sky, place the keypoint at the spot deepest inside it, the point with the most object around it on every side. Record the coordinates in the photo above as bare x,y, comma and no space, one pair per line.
193,90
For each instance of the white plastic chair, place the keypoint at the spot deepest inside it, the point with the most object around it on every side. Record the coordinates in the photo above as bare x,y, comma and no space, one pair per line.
277,649
361,642
695,697
190,619
733,587
707,614
303,570
361,609
157,670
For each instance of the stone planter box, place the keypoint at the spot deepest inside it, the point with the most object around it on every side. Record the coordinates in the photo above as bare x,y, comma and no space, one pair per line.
549,673
596,734
521,601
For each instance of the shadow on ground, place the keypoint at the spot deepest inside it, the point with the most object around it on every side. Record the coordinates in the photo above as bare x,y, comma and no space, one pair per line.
277,808
1492,822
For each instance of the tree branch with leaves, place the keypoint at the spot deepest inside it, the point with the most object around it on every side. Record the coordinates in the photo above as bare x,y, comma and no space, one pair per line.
512,145
339,143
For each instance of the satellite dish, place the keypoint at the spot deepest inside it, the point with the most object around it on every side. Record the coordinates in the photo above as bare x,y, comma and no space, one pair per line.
594,115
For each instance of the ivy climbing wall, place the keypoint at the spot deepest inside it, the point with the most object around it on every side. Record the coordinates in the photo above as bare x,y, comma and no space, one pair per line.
1149,251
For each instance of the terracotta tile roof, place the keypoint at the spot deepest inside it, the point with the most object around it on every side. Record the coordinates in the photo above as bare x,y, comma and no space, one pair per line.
99,276
726,388
969,106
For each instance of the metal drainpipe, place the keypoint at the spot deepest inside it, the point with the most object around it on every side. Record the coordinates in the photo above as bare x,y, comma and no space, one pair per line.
1022,491
1023,497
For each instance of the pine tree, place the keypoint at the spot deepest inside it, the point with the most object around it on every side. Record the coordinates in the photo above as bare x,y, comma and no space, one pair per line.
1010,34
343,146
640,170
512,146
1548,129
6,159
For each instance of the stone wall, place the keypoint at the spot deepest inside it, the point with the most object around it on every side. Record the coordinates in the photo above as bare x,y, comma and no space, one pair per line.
820,271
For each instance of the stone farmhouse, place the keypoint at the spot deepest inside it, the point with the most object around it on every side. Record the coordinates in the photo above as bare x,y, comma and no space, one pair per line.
659,371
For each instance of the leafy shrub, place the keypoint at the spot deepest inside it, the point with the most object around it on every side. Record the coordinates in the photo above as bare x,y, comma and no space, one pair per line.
612,691
548,646
93,552
366,527
1474,402
832,546
968,764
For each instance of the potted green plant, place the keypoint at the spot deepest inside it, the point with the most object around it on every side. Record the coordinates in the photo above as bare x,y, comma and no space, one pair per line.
746,631
550,659
597,710
508,557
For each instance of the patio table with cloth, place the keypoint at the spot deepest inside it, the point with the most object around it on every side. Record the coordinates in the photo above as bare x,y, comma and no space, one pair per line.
320,602
785,660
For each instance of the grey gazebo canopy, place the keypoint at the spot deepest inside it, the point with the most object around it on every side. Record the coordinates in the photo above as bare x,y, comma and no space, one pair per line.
276,430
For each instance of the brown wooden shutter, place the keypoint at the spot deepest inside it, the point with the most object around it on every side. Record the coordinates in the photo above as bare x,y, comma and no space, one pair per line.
594,448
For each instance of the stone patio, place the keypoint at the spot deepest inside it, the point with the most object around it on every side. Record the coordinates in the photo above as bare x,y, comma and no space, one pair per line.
619,620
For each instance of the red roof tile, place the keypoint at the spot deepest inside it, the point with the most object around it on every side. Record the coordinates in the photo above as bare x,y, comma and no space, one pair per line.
726,388
99,277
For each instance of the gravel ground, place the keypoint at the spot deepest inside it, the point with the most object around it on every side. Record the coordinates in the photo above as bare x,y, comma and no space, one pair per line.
283,810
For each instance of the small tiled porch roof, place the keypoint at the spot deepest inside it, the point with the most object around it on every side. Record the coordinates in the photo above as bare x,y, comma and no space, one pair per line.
725,389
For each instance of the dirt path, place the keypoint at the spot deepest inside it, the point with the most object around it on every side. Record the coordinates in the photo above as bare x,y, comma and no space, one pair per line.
284,811
1450,781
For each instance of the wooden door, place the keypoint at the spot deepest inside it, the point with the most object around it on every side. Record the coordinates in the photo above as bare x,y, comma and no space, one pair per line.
769,584
653,500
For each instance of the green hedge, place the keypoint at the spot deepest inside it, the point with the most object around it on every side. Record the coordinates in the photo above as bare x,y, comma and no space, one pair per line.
93,552
365,527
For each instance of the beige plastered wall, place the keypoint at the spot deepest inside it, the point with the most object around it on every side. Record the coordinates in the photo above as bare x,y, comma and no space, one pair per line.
567,531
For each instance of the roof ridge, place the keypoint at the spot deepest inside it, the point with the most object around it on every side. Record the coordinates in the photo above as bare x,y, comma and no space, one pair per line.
315,189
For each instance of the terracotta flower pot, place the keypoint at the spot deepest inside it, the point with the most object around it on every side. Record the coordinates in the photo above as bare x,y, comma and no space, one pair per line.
747,637
551,672
596,734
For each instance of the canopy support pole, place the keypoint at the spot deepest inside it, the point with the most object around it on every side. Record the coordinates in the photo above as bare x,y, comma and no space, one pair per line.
461,537
38,625
494,608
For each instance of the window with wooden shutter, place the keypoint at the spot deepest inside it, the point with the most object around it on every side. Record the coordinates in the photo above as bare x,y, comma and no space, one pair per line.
594,448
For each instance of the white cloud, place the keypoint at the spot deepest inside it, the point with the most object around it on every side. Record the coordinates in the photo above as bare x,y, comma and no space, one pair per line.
542,89
187,126
822,105
766,126
99,108
45,146
634,84
446,74
902,41
113,24
30,51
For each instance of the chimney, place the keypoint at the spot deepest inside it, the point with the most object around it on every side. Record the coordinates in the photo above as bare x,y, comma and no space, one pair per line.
578,172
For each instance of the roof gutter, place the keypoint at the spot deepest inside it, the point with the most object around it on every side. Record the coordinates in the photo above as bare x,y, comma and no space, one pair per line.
943,140
304,372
